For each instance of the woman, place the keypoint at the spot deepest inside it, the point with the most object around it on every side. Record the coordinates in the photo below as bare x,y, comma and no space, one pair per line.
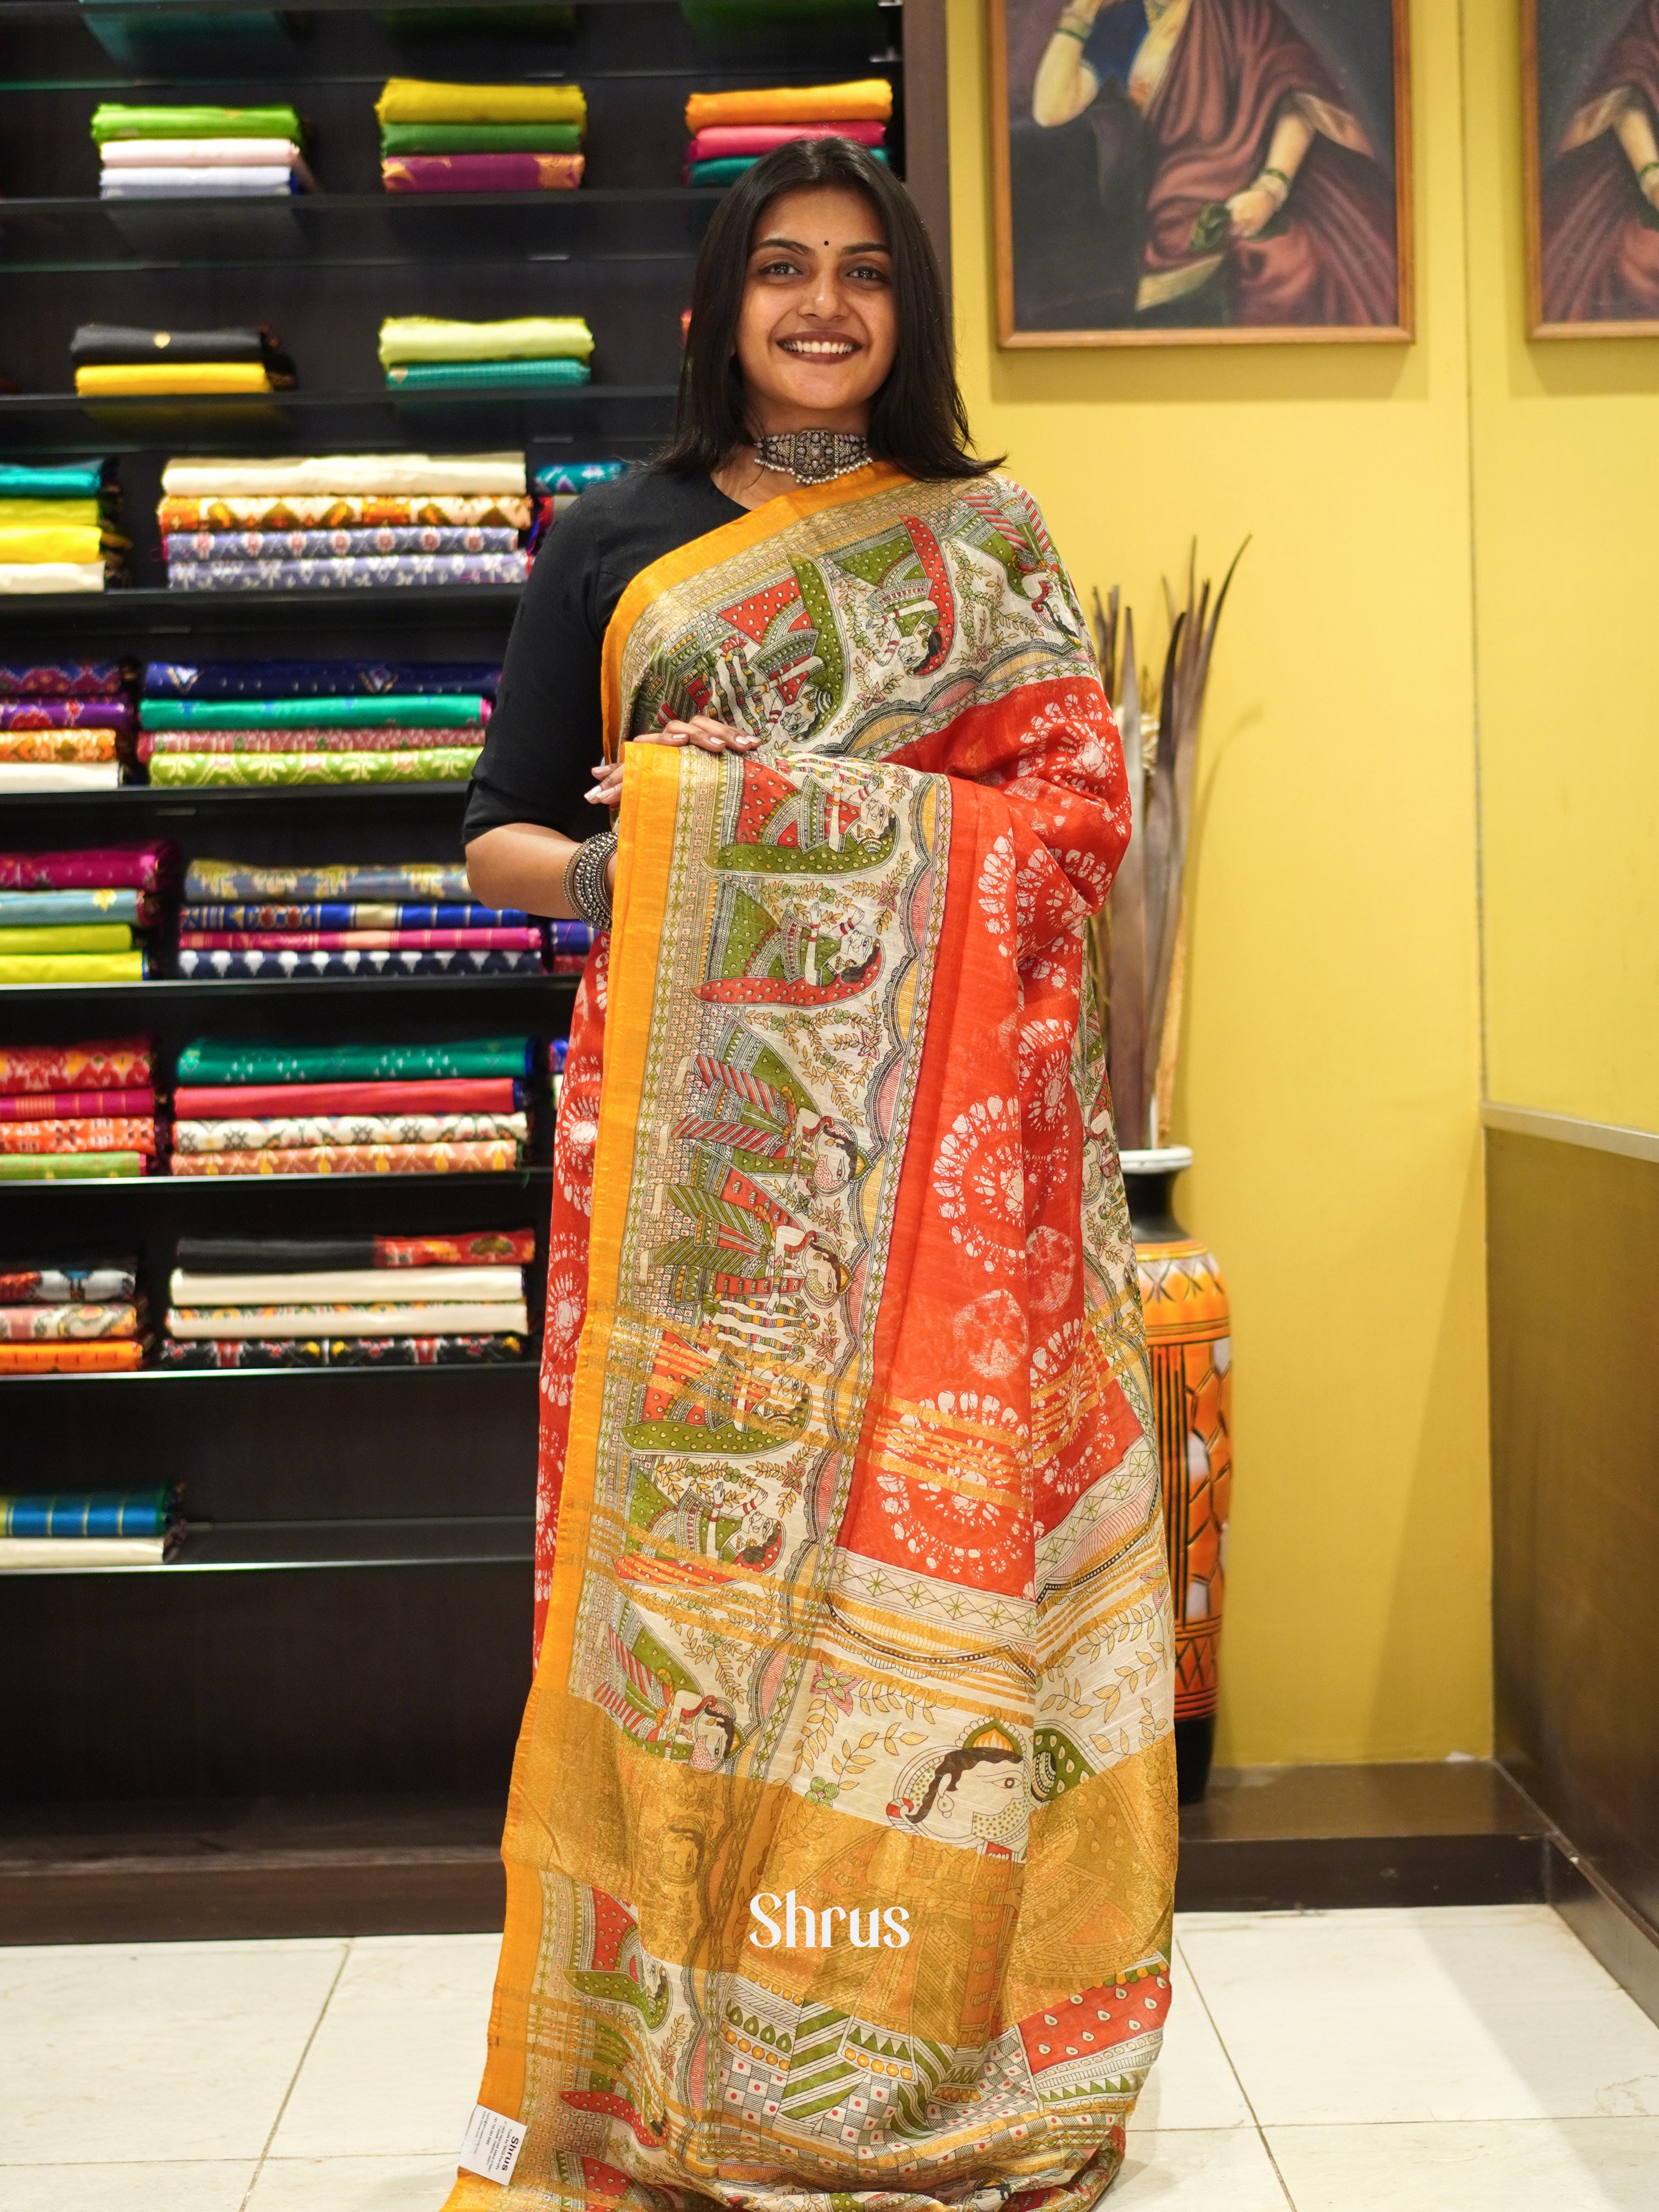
1264,202
1601,192
845,1439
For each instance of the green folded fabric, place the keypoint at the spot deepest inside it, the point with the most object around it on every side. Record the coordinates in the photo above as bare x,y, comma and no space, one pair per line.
113,120
407,709
59,1167
73,480
481,138
459,376
730,167
67,937
432,764
218,1059
437,338
71,967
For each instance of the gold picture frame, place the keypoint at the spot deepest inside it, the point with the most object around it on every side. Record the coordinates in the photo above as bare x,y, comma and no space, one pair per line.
1111,277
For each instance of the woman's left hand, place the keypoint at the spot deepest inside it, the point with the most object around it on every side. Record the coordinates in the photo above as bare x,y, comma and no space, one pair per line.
701,731
1251,211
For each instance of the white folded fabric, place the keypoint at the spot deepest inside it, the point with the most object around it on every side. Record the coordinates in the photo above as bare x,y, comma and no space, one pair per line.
341,1285
52,1554
195,153
55,575
492,1318
353,474
59,776
195,183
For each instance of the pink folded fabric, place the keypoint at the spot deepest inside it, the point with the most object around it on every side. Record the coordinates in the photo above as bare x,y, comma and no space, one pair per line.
99,867
723,141
358,941
481,172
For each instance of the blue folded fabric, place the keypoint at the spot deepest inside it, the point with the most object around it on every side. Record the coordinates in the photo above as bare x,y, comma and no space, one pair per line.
316,679
87,1513
47,909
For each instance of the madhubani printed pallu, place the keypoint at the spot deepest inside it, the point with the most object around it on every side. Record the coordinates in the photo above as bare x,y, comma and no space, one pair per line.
858,1594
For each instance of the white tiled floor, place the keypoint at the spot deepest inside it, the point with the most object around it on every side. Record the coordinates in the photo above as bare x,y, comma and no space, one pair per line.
1455,2061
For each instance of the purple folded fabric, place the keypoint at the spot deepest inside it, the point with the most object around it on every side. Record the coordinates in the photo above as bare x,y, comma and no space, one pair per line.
481,172
66,714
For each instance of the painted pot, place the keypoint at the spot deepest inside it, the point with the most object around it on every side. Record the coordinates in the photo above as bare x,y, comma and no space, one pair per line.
1188,1326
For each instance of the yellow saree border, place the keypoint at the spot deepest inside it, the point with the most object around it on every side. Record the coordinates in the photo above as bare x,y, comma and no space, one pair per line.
762,522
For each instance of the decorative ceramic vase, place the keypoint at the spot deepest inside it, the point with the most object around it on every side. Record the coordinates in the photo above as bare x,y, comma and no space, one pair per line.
1187,1337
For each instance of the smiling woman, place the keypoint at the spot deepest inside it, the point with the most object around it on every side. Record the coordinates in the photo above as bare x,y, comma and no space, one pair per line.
846,1486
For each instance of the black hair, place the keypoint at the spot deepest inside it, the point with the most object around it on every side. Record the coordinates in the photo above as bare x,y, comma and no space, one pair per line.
917,418
955,1765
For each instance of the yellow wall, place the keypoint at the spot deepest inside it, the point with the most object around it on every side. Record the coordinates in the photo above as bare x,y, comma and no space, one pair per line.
1331,1062
1566,476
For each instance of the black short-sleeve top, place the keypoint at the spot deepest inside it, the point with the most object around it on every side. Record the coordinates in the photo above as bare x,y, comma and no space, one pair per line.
546,735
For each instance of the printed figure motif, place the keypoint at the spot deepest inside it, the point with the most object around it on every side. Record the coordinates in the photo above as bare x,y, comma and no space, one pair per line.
1594,97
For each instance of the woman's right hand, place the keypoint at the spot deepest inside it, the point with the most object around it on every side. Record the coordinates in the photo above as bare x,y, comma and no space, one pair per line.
701,731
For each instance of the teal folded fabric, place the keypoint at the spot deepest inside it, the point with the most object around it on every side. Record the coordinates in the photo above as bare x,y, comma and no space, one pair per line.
412,710
730,167
468,375
76,480
216,1060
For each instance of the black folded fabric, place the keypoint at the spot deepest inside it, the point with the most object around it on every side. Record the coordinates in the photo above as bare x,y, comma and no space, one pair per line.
273,1255
111,346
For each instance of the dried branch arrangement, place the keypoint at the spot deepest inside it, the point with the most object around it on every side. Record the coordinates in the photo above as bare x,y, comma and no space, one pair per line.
1141,934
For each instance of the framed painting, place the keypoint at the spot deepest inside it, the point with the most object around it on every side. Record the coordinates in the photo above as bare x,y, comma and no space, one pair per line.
1201,171
1592,148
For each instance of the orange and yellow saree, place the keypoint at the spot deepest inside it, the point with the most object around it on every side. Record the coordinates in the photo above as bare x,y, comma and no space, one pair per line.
840,1846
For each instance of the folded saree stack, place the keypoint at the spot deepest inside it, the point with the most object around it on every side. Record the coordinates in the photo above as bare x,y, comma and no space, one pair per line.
447,1108
116,360
57,528
732,130
531,353
84,916
559,484
380,919
331,522
78,1111
68,1528
199,153
452,1300
61,1319
481,138
64,725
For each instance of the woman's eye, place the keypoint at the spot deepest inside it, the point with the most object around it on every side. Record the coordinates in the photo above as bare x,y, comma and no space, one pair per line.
778,268
868,271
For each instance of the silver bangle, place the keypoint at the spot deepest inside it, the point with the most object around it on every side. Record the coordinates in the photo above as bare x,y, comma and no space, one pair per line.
585,886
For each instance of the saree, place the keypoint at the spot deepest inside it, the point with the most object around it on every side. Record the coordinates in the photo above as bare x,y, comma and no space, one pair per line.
849,1549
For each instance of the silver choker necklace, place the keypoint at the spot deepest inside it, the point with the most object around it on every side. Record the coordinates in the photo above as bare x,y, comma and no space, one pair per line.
812,456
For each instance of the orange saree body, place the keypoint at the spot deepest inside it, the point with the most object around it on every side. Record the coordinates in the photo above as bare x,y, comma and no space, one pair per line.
840,1845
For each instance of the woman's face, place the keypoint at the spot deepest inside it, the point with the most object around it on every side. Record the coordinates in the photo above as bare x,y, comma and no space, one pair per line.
817,333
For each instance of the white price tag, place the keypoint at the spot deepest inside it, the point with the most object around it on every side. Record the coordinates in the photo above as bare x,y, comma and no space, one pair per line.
491,2145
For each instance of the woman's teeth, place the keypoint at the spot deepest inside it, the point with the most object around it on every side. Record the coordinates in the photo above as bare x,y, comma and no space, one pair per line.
820,349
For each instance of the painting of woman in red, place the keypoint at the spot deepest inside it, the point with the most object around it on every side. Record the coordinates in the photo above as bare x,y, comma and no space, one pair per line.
1245,169
1598,222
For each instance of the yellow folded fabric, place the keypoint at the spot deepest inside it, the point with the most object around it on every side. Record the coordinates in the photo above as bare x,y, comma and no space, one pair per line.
417,100
868,101
68,937
41,543
179,376
525,337
72,968
56,514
